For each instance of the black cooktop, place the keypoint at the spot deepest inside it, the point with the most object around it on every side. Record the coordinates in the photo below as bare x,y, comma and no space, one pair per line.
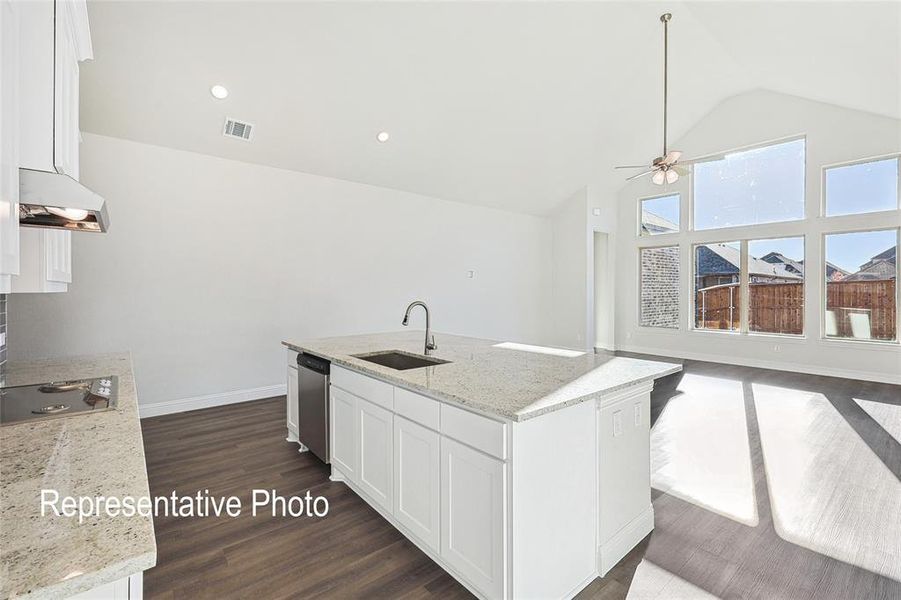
25,403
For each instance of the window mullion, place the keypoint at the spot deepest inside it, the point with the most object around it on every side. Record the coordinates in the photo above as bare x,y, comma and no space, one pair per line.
744,289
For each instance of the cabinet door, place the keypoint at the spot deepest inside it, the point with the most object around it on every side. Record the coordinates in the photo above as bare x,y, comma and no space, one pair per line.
343,432
473,532
66,128
58,255
292,406
9,142
417,480
376,455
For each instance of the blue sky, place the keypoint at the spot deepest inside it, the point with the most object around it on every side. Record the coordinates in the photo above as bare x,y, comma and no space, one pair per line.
864,187
664,206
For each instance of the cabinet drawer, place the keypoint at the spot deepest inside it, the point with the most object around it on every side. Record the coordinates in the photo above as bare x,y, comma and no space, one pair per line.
417,408
477,431
377,392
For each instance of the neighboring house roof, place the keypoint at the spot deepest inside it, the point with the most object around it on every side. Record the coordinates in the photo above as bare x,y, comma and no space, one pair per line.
791,265
879,269
831,269
727,259
881,266
652,223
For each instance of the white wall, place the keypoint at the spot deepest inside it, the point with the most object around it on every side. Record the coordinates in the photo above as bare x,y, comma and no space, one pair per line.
210,263
834,135
570,287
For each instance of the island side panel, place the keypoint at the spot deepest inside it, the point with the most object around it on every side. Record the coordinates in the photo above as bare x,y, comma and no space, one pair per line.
626,514
554,503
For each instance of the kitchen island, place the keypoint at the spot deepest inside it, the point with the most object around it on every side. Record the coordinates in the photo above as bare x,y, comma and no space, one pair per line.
89,455
523,471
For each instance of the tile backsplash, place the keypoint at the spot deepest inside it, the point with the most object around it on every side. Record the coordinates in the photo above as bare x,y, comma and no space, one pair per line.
2,339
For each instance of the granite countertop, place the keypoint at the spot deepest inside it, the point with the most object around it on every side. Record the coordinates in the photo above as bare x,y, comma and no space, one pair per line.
513,384
84,455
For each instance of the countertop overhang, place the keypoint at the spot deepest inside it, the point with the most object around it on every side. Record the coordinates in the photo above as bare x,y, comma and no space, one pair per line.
513,384
84,455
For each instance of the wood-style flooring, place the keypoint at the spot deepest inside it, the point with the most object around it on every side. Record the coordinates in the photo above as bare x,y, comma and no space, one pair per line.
696,549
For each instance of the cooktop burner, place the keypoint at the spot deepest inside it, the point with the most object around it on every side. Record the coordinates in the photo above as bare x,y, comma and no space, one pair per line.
57,399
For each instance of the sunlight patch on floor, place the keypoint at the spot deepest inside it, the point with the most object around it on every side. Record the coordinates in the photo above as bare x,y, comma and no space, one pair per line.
700,451
887,415
654,583
829,492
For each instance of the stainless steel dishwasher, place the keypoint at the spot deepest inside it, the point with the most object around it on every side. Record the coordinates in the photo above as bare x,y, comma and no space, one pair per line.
313,373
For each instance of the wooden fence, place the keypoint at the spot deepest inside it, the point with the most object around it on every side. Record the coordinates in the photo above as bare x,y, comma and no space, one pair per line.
779,308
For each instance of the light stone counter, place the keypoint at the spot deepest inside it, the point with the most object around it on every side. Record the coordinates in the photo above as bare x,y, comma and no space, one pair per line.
83,455
513,384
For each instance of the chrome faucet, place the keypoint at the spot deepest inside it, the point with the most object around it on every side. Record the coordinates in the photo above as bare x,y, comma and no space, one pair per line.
429,338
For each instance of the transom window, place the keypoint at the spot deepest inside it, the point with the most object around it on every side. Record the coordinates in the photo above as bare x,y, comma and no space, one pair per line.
660,215
749,187
862,187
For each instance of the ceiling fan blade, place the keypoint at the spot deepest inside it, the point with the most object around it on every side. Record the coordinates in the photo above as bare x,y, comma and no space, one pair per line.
672,157
680,170
631,167
640,175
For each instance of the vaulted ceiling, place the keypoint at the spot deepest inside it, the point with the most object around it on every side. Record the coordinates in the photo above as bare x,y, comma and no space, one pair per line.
512,105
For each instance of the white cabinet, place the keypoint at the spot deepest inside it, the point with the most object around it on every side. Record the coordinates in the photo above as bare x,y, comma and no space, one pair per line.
45,261
127,588
9,142
376,456
343,432
417,480
54,37
473,524
292,404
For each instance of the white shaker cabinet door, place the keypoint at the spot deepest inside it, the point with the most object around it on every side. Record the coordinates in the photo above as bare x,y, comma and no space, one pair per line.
343,433
417,480
292,401
376,457
472,516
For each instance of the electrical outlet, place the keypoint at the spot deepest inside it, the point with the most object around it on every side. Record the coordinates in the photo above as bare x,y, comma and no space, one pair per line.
596,212
617,423
777,348
470,274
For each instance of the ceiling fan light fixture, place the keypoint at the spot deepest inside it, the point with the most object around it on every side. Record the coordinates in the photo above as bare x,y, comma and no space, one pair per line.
672,176
659,177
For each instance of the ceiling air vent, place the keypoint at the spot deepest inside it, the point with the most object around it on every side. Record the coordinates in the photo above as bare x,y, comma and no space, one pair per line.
237,129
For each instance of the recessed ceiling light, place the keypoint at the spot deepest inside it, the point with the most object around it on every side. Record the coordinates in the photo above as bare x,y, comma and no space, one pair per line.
219,92
383,136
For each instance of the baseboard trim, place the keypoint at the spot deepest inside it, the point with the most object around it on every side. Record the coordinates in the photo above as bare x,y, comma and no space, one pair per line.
613,550
767,364
210,400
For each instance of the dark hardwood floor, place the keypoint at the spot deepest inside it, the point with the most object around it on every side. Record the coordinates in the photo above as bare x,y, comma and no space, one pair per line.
354,553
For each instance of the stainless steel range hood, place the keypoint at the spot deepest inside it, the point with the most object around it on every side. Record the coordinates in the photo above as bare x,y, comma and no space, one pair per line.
56,201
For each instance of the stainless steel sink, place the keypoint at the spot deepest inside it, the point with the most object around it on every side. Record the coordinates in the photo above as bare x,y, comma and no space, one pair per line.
401,361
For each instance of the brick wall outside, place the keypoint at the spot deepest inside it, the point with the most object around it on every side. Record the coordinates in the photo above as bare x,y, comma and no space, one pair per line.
660,287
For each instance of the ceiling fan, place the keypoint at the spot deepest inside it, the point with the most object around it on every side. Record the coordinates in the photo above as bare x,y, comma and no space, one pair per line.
667,167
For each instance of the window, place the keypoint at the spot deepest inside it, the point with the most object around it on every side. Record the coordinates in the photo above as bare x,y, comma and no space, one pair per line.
861,273
761,185
776,286
716,290
660,287
862,187
660,215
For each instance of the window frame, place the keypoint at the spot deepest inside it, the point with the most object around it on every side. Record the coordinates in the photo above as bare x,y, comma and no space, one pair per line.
850,163
823,299
641,201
